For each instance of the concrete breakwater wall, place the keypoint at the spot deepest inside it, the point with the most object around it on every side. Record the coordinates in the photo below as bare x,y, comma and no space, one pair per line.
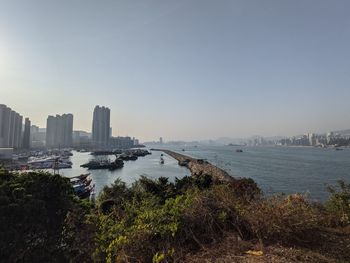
199,167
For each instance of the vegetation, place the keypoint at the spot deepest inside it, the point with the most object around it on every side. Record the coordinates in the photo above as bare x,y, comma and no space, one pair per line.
161,221
33,208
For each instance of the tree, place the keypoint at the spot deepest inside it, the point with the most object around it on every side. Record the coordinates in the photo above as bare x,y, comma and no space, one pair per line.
33,207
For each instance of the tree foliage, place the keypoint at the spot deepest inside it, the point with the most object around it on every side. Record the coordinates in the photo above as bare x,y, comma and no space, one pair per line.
153,220
339,202
33,207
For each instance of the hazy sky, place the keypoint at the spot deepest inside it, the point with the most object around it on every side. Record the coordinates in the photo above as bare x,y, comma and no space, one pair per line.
190,69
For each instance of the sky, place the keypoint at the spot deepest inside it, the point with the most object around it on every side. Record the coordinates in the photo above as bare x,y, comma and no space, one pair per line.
184,69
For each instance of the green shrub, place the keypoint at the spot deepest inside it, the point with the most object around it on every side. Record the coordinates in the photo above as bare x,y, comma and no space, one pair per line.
153,220
33,207
159,216
339,203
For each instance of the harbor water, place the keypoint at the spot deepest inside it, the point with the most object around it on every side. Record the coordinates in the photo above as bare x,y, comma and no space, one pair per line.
280,169
148,166
275,169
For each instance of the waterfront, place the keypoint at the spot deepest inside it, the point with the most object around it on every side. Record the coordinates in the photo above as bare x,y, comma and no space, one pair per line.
279,169
148,165
275,169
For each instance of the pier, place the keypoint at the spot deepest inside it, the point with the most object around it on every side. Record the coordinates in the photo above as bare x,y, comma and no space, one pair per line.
199,166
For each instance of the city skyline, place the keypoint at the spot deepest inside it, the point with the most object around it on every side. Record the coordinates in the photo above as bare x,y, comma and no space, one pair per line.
184,70
102,112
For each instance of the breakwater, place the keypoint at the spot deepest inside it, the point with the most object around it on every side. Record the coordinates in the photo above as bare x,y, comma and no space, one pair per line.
199,166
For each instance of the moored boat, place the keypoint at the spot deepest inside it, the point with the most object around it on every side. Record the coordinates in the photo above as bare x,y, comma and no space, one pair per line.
49,163
82,185
106,164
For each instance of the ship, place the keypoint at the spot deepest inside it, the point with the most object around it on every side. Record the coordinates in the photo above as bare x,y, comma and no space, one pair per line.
103,165
56,162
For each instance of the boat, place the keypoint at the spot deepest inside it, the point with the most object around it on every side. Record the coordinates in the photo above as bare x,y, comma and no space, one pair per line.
82,185
61,166
339,149
117,164
54,162
239,150
232,144
83,191
127,157
85,181
82,176
102,165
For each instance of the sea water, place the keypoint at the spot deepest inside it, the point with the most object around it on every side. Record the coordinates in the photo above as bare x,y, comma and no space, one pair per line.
275,169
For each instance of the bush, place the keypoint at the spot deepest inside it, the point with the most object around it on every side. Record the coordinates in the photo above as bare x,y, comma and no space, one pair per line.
291,219
151,221
79,233
33,207
163,220
339,203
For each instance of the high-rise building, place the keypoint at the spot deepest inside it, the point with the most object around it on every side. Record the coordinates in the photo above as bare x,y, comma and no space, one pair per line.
312,139
135,141
10,127
59,131
121,142
82,139
37,137
101,130
26,134
329,137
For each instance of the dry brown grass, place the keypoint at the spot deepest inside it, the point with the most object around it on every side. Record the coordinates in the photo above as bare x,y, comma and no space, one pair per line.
335,248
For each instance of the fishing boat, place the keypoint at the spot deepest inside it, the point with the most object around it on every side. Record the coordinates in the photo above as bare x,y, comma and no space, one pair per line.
339,149
127,157
105,164
49,163
82,185
82,191
82,176
77,181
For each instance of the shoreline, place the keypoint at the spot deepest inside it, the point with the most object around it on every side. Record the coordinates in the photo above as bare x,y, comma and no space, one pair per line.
199,167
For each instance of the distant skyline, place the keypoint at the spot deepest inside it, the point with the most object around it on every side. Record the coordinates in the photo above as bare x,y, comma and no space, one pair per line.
181,70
